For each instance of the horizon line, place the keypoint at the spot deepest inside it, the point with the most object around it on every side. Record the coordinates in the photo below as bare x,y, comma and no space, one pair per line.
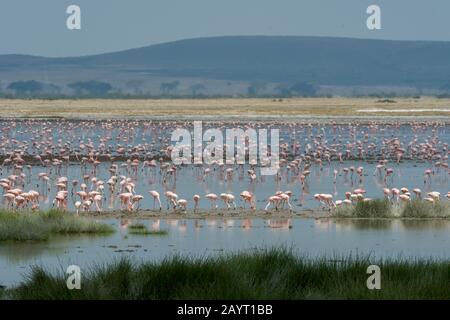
217,37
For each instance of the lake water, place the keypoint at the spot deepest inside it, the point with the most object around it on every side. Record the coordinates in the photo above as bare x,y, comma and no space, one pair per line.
147,139
407,239
189,181
422,145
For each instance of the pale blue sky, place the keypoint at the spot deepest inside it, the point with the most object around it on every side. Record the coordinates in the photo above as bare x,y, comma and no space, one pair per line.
39,26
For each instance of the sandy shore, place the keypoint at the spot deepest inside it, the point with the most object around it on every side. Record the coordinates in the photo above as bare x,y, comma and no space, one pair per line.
233,214
325,110
207,214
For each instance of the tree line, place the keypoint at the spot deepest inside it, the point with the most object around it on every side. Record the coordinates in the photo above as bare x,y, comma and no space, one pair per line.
94,88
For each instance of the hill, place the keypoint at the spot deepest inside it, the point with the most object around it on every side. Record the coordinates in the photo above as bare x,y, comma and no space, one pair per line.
269,61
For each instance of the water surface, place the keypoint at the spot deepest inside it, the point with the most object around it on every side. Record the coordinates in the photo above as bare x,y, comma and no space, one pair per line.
407,239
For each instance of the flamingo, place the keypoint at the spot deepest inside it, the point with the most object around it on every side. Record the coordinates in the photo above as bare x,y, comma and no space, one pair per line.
212,197
155,195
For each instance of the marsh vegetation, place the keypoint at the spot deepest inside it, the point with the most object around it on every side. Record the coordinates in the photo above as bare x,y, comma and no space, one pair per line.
40,226
383,208
264,274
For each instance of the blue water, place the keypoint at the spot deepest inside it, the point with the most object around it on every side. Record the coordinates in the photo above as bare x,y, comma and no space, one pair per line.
146,139
408,239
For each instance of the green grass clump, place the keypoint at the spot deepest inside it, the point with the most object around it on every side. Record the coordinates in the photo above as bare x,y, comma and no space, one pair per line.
383,208
141,229
40,226
377,208
267,274
422,209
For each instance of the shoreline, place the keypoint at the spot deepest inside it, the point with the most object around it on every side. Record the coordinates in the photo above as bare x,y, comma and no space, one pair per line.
306,119
322,110
242,275
234,214
204,214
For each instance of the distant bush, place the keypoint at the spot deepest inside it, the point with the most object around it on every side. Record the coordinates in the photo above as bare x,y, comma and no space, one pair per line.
386,101
26,87
196,88
303,89
256,88
95,88
297,89
168,87
445,87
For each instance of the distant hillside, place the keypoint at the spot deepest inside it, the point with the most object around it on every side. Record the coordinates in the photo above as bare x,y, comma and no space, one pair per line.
239,62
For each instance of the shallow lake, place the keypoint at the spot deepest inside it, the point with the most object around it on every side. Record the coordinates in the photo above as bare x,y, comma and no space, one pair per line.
148,139
189,181
407,239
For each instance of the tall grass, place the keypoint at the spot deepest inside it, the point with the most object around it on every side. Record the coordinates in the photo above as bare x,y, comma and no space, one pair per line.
383,208
423,209
377,208
40,226
268,274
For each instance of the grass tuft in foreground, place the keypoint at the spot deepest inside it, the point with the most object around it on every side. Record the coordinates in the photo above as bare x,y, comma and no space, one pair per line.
267,274
141,229
39,226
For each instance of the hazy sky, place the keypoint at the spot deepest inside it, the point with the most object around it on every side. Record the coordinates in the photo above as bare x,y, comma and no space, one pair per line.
39,26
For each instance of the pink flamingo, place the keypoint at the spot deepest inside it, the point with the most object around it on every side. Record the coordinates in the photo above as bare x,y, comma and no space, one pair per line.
155,195
213,198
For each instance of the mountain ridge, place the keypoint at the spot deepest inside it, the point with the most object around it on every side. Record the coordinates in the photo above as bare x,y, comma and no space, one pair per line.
322,61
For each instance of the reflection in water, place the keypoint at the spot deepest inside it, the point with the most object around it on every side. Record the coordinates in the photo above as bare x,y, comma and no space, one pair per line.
211,222
394,224
182,227
200,237
324,223
364,224
124,223
414,224
22,252
246,224
156,224
279,223
229,222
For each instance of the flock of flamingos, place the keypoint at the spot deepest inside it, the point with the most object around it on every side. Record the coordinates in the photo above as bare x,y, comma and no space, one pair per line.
95,165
